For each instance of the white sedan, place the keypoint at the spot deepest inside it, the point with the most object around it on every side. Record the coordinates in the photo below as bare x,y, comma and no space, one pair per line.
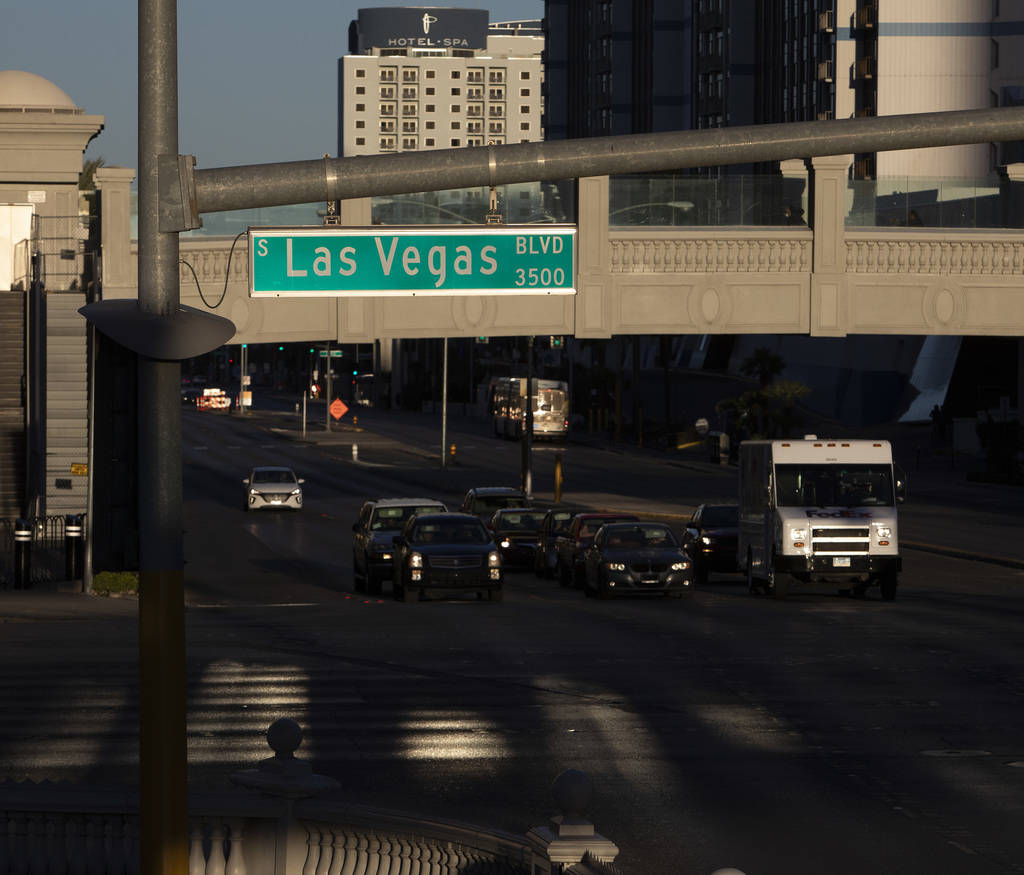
273,487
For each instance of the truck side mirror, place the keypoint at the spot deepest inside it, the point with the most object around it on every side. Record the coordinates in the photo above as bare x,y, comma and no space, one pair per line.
900,483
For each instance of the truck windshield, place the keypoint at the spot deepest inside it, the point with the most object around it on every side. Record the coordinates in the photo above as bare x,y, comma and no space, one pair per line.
833,485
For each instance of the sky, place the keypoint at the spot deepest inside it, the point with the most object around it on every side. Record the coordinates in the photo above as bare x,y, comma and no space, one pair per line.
257,80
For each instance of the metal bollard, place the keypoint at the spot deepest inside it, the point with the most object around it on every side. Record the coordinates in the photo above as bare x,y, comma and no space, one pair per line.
451,451
355,452
355,422
72,543
22,554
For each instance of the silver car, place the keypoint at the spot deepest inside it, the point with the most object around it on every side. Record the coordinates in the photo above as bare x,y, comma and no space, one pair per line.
271,486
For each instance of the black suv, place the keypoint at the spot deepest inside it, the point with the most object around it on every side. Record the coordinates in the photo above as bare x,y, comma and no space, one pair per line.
379,521
485,500
448,553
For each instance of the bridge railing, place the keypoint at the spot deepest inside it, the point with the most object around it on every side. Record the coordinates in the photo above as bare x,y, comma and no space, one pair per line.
286,827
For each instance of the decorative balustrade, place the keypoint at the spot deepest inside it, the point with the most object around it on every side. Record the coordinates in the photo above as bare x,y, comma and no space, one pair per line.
696,252
934,253
284,829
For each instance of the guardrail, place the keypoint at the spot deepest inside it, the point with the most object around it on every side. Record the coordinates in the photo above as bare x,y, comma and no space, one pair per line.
46,540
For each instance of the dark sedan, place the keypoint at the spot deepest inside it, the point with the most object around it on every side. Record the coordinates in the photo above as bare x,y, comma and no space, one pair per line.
515,531
710,539
636,559
446,553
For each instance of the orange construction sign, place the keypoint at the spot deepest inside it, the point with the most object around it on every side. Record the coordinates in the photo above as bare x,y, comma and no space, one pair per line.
338,408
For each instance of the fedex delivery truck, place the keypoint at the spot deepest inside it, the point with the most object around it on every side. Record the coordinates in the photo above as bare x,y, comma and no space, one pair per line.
818,512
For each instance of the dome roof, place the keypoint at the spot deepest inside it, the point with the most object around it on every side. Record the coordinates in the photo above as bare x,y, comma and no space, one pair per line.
29,91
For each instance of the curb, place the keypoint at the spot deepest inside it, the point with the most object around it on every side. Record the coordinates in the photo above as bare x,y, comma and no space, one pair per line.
954,553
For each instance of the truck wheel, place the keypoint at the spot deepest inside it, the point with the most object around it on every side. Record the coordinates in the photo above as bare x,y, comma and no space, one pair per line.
359,582
700,574
890,580
752,585
564,576
776,586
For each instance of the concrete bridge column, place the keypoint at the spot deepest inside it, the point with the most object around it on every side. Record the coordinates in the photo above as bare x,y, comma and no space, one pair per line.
829,316
592,315
119,270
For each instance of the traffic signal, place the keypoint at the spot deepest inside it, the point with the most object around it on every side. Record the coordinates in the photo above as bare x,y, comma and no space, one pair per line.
355,372
557,341
280,349
481,340
311,350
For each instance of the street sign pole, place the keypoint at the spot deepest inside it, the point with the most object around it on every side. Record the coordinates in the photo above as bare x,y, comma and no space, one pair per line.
528,433
327,397
444,402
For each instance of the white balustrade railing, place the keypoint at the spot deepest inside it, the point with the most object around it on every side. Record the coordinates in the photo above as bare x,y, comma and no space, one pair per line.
285,829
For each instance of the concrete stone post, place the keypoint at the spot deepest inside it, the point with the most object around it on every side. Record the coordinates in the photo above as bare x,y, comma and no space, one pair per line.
569,836
829,315
119,272
593,259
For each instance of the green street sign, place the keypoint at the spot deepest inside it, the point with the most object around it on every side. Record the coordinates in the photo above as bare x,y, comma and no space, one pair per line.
334,354
320,261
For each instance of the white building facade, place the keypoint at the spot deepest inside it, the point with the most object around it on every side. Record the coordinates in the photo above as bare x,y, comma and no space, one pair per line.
438,78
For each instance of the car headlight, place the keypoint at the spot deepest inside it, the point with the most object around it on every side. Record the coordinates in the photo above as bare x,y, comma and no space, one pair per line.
616,566
506,543
493,559
798,534
884,532
705,540
296,492
680,566
253,492
415,560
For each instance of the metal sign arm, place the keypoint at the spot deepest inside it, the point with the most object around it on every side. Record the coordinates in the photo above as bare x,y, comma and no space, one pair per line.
325,179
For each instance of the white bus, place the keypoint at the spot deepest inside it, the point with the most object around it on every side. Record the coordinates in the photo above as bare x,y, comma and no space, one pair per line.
550,408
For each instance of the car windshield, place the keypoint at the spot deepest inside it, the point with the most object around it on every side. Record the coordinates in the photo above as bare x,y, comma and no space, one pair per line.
641,537
720,517
386,519
520,521
461,532
284,476
834,485
497,502
588,528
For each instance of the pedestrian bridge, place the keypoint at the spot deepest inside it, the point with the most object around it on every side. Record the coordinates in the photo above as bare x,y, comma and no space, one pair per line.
929,272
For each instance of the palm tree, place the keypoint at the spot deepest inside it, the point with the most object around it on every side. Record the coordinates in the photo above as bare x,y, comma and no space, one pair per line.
763,364
89,168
